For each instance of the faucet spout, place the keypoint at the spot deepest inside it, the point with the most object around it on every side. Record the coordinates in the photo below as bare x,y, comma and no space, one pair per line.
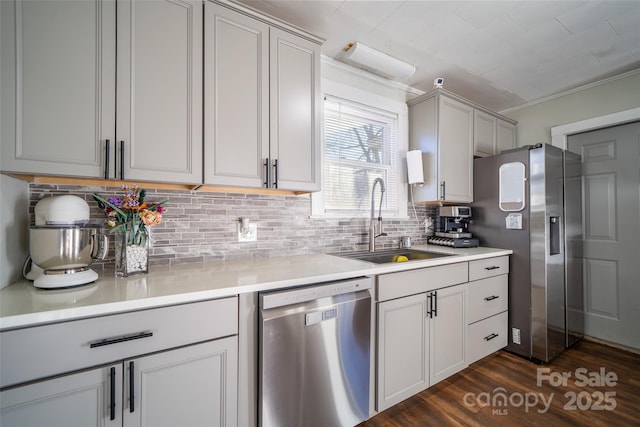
373,219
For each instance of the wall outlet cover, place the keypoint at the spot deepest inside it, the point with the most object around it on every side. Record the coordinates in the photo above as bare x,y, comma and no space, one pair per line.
249,233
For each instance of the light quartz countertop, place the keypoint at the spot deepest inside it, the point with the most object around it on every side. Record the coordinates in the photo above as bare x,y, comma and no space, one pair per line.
23,305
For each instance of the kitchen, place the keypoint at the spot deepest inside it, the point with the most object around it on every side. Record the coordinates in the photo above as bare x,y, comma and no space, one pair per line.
201,226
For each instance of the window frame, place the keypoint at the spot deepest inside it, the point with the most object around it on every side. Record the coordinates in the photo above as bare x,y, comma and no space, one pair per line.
367,99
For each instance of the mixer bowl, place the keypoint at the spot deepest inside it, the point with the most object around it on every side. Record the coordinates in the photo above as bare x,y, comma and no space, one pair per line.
66,248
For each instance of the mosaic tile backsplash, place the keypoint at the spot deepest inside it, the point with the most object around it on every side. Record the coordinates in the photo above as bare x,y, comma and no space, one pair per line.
201,227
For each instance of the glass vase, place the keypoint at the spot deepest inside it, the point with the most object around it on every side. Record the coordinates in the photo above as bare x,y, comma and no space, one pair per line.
132,251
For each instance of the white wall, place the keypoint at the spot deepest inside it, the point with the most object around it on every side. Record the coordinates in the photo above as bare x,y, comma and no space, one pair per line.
613,95
14,228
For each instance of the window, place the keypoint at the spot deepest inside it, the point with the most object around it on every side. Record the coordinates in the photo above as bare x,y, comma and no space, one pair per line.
361,144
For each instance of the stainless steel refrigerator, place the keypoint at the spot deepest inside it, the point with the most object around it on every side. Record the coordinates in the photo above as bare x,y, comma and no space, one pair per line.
530,200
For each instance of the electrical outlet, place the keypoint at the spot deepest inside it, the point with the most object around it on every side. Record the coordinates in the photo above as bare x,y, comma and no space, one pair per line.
248,233
515,335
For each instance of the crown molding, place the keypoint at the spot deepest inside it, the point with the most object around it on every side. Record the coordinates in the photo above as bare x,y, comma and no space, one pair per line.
571,91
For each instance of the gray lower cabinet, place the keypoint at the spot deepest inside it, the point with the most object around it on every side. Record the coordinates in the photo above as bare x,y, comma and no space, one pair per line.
187,386
67,64
169,366
487,301
434,322
262,102
421,337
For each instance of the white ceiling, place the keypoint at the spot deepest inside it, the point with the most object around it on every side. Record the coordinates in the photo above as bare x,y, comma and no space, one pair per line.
501,54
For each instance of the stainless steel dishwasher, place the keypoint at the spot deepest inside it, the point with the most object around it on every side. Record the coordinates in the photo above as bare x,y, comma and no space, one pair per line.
315,347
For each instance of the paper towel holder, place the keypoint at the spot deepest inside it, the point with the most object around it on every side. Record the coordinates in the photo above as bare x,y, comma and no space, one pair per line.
415,173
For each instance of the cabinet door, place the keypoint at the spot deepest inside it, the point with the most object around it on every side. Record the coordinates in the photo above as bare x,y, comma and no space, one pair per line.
484,134
236,98
82,400
57,86
506,136
403,352
455,145
447,332
159,110
189,386
295,112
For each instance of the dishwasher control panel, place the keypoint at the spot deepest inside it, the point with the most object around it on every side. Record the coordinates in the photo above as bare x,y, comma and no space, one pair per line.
309,293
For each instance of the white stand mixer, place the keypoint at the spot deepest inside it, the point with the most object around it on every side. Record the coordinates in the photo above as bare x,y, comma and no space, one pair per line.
63,243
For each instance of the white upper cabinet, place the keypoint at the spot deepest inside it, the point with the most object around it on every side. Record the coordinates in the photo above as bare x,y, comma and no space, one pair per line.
295,112
59,89
506,136
262,100
442,128
236,86
484,133
159,90
491,134
57,86
449,131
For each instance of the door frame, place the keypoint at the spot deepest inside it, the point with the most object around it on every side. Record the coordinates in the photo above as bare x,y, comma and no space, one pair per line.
559,134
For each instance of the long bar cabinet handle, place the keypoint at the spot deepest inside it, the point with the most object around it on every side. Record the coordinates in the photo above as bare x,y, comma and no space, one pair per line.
116,340
275,170
491,298
112,394
107,149
266,172
131,386
122,160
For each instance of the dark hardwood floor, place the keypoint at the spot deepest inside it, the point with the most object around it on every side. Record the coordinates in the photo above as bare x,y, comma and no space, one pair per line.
603,389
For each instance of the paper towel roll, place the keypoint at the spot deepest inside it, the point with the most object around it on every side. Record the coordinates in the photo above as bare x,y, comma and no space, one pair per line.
414,167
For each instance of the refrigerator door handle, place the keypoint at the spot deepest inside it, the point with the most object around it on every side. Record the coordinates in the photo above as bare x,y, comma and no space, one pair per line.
554,235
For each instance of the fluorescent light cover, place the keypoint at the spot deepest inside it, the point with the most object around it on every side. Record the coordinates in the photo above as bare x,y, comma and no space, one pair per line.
377,62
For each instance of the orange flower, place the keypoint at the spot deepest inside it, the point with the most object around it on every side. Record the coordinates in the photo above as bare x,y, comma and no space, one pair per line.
150,218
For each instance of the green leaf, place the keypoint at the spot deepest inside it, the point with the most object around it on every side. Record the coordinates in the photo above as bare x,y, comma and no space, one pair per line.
111,205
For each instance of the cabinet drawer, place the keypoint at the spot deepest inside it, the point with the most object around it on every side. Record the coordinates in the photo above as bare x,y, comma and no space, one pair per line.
487,297
397,285
42,351
488,267
486,336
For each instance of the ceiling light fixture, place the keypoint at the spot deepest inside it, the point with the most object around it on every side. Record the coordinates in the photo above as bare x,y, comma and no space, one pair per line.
377,62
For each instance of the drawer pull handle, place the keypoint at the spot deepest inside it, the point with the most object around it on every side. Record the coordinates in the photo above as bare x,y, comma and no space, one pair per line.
490,337
491,298
109,341
493,267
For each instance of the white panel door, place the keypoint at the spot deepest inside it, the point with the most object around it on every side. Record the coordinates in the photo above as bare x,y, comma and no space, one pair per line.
57,85
455,146
77,400
447,332
159,111
403,349
236,98
188,386
611,221
295,112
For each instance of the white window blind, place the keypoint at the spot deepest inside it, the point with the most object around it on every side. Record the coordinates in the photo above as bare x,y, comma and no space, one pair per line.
360,146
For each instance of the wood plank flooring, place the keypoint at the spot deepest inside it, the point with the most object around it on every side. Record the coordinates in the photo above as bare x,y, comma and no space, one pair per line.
473,397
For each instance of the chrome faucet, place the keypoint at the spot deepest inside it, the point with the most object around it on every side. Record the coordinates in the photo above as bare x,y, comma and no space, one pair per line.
372,221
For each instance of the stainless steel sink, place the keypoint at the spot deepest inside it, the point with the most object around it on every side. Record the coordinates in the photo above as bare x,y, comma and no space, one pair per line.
391,255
